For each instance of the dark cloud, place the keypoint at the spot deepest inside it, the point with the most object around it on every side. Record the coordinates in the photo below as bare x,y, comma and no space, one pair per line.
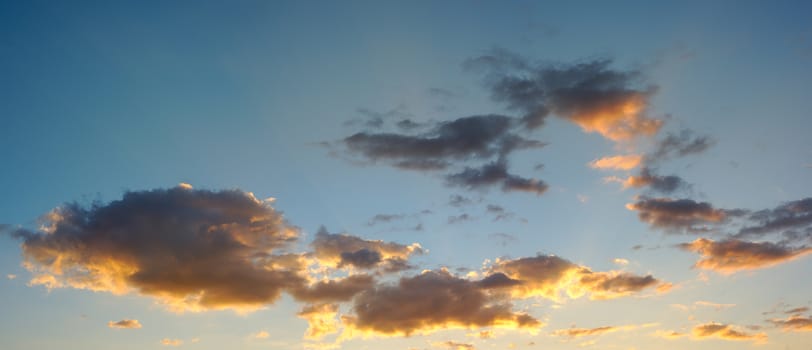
333,290
431,301
498,280
794,323
733,255
475,137
384,218
492,174
375,119
191,249
343,250
659,183
794,215
797,310
459,201
590,94
459,218
550,276
680,215
679,145
363,258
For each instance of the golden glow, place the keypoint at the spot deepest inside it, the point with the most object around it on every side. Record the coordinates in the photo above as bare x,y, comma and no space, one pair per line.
619,162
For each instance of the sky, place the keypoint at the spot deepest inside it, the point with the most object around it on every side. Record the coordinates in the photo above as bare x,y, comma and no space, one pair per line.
405,175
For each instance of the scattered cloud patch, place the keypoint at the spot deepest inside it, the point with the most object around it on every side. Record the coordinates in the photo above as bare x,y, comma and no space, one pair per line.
124,324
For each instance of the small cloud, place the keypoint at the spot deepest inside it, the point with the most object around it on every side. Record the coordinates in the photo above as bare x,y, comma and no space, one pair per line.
716,306
11,276
582,198
795,323
454,345
620,261
185,186
620,162
733,255
725,332
171,342
125,324
260,335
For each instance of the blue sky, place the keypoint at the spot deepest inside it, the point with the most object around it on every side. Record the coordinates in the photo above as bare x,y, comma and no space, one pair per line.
102,99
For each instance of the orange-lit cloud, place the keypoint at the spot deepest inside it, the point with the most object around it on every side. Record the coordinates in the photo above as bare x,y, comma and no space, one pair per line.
126,324
552,277
726,332
620,162
618,117
261,335
575,332
321,319
733,255
189,249
795,323
171,342
432,301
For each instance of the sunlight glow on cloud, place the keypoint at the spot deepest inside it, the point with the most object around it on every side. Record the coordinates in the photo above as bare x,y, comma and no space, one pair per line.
126,324
732,255
619,162
725,332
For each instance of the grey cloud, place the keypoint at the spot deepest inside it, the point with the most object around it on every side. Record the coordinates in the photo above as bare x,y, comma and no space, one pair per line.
192,249
430,301
590,94
679,145
492,174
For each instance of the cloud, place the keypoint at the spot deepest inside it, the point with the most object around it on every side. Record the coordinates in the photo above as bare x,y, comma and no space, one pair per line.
473,137
590,94
797,310
171,342
795,323
551,277
343,250
582,332
493,174
459,201
716,306
384,218
451,345
342,289
124,324
620,162
11,276
725,332
431,301
792,215
321,318
734,255
660,183
261,335
679,215
190,249
679,145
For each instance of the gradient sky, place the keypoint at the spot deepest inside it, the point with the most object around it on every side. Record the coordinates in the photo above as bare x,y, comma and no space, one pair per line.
415,175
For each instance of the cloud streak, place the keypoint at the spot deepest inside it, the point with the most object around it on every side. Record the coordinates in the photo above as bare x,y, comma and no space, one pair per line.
733,255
